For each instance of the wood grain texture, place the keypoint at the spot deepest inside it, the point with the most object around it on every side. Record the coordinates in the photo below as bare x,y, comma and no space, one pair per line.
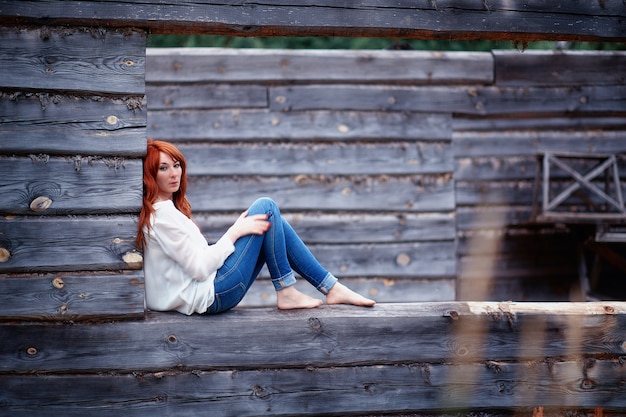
544,68
454,332
528,142
79,60
462,100
69,125
72,185
317,192
283,159
228,65
500,387
252,125
443,19
73,243
65,297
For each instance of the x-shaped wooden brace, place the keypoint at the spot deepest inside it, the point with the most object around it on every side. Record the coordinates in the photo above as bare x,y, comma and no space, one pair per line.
581,181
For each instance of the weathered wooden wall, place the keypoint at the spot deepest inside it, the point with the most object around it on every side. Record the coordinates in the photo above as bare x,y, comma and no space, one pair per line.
73,131
390,158
370,188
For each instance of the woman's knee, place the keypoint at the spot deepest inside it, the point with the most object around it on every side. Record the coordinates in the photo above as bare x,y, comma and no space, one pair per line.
263,205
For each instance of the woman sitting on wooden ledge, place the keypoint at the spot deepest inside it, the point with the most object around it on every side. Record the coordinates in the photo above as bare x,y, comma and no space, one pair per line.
186,274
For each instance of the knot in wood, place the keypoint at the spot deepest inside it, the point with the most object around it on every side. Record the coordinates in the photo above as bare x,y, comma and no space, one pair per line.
609,310
454,315
315,323
5,255
172,339
63,309
31,351
403,259
134,260
40,204
587,383
58,283
112,120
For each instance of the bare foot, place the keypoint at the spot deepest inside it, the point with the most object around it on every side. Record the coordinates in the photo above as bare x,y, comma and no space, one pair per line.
340,294
290,298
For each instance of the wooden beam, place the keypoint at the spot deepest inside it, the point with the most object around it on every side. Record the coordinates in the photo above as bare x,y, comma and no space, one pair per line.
232,125
426,356
325,337
493,388
229,65
483,101
427,193
72,59
41,184
440,19
41,123
78,243
550,69
66,297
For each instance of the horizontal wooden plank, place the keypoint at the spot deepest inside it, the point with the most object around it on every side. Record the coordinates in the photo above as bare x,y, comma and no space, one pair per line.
530,142
501,387
41,184
329,336
87,61
383,290
345,227
219,65
246,125
318,192
571,124
463,100
72,297
205,96
553,68
279,159
445,19
404,260
77,243
70,125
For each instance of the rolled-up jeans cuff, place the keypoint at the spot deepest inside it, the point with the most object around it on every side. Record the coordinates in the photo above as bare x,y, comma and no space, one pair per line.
327,283
283,282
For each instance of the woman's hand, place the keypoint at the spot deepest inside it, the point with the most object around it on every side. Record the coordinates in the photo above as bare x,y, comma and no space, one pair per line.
256,224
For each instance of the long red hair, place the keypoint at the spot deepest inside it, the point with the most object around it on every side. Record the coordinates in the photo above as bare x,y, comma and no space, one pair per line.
151,189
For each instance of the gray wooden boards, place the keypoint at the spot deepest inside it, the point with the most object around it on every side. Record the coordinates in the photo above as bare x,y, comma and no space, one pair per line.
67,297
332,360
72,134
77,60
233,65
440,19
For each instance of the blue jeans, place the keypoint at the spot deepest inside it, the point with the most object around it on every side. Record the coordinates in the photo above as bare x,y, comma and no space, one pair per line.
280,248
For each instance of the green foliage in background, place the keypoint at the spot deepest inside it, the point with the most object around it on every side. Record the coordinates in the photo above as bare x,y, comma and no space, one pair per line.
313,42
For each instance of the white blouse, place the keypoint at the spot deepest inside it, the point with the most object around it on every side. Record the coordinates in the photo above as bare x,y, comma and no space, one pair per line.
179,265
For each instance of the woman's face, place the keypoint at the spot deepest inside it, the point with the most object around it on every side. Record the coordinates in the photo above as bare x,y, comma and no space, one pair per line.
168,176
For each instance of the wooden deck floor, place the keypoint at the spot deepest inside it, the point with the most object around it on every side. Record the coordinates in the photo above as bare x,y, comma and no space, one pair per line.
335,360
